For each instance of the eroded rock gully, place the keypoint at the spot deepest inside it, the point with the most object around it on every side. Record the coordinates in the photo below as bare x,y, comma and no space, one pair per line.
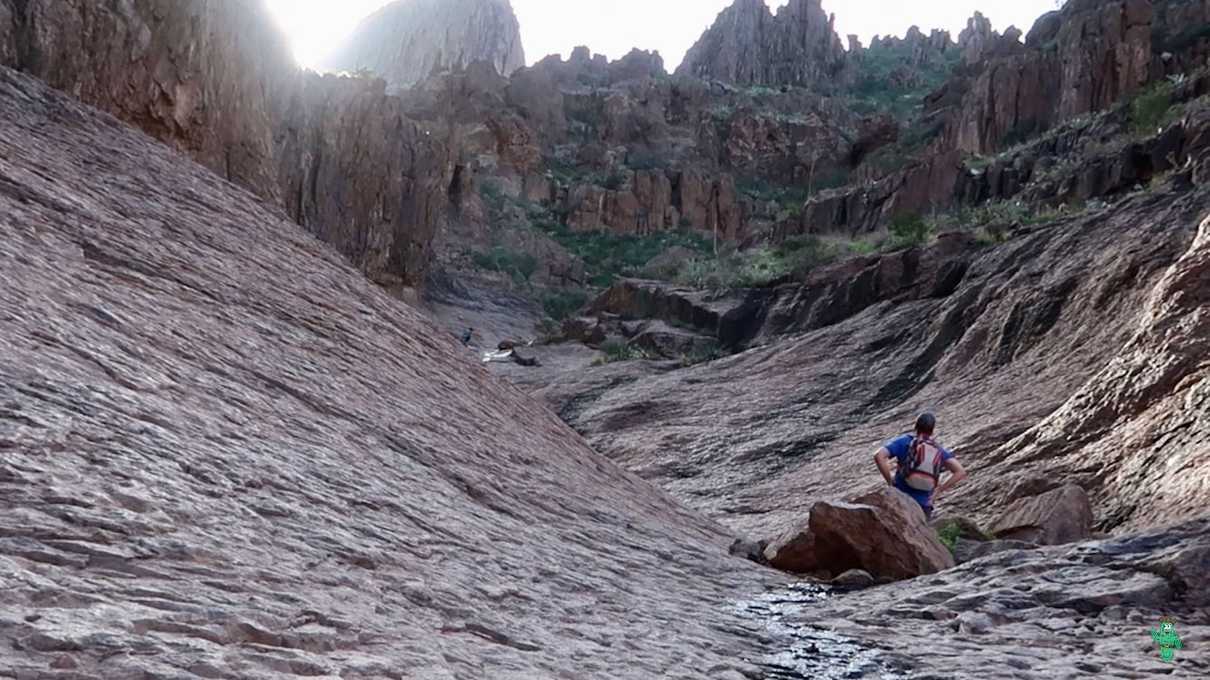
1079,336
225,454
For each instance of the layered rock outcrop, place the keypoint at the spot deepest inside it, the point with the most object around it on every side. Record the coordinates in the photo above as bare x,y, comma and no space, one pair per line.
215,79
1056,303
749,45
1091,53
408,40
226,454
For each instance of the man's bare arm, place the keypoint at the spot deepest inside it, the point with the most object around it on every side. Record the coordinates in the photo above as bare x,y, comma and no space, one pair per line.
882,458
957,474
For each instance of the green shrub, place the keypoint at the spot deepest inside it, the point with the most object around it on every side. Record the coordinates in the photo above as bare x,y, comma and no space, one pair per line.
788,197
759,267
880,83
491,193
614,181
949,533
608,256
564,304
762,91
520,266
617,350
702,355
909,229
1150,109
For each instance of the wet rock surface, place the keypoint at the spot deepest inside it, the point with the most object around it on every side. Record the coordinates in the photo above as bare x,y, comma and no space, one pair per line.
226,454
1074,611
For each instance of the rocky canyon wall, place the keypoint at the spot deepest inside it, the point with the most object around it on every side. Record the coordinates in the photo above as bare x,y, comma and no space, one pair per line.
214,79
750,45
1081,59
202,77
406,41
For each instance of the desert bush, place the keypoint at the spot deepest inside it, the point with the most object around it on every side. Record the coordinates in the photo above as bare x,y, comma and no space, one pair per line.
910,229
1151,108
618,350
608,256
564,304
614,181
520,266
702,355
761,266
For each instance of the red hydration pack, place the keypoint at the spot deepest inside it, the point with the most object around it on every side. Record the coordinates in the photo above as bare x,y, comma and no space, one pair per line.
924,464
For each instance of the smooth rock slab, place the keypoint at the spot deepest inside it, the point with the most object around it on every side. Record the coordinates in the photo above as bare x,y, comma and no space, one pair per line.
254,463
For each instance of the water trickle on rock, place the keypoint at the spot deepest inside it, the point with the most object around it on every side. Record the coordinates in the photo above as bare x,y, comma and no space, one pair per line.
805,651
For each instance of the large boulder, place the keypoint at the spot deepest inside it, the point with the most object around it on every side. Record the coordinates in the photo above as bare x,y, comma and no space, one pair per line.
884,533
584,329
1059,516
661,339
793,552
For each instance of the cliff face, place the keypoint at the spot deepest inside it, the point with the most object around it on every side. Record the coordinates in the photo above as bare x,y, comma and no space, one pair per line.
214,79
355,171
1079,60
750,45
203,77
406,41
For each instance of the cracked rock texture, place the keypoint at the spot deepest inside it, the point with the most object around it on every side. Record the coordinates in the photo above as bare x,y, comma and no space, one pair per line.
225,454
407,40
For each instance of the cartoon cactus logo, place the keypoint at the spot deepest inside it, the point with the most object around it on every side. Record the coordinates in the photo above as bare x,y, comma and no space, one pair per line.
1165,636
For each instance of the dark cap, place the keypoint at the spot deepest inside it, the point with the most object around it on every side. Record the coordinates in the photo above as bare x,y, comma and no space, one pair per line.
926,423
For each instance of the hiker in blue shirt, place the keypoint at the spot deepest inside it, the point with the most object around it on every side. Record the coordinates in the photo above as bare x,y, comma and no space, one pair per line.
921,461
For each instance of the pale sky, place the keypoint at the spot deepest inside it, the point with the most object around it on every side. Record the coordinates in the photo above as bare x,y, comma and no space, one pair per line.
613,27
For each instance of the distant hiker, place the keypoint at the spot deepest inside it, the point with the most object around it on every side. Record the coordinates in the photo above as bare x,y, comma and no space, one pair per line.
921,462
466,337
